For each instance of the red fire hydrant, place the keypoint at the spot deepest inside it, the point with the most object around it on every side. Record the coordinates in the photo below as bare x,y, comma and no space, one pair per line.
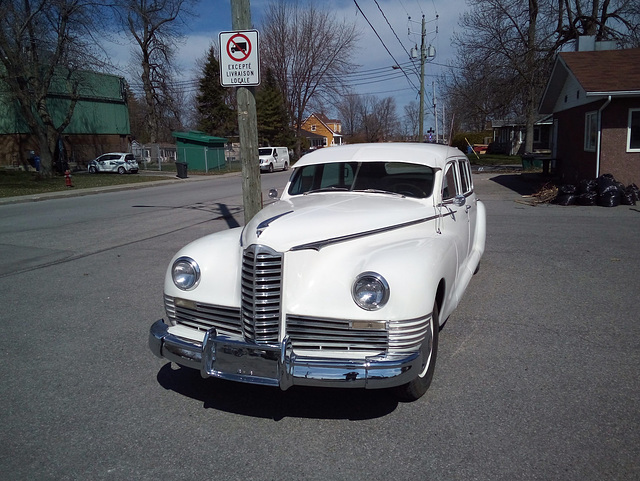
67,178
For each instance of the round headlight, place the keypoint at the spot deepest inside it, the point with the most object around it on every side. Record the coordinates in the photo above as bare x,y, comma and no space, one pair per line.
185,273
370,291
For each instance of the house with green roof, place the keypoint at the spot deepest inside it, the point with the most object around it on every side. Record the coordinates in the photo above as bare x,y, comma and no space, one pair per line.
100,121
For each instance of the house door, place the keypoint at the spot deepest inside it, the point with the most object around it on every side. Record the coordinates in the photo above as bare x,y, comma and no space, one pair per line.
554,140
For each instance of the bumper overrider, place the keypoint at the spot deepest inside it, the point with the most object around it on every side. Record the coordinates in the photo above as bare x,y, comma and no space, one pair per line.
277,365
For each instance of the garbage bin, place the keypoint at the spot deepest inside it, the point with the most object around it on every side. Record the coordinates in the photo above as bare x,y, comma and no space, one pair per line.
181,167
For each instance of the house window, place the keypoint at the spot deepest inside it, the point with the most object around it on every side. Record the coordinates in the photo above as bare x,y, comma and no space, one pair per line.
590,131
633,131
313,127
536,134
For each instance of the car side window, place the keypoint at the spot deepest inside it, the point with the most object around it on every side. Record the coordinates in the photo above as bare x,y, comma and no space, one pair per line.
449,181
465,176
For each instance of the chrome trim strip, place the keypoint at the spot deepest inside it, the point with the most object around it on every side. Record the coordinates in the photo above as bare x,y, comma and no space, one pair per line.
265,223
335,240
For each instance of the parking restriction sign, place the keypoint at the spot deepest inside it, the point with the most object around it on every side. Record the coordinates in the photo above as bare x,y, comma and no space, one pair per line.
239,58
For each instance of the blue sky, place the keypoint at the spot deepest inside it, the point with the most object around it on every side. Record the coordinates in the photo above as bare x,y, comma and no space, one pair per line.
370,77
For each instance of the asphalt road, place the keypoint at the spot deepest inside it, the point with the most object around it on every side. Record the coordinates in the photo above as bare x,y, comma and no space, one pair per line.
537,374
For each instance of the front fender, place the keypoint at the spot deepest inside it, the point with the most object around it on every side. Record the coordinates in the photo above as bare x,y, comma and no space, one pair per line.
319,283
219,256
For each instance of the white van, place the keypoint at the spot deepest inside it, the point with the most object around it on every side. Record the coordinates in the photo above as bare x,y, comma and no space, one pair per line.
272,158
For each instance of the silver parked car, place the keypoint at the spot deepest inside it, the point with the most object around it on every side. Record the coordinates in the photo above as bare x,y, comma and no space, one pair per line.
120,162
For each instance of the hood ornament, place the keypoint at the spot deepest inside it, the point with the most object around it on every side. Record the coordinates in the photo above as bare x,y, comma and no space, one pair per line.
262,226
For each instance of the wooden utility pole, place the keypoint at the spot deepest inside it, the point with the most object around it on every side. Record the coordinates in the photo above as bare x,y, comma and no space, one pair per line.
422,59
247,125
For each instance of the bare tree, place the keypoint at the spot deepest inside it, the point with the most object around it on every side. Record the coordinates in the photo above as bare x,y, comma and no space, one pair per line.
44,44
349,107
507,50
411,116
510,49
308,50
605,19
377,118
154,25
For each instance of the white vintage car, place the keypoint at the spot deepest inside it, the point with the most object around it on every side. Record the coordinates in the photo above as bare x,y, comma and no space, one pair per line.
343,282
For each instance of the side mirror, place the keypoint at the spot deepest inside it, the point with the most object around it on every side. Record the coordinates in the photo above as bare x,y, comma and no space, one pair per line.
459,200
273,193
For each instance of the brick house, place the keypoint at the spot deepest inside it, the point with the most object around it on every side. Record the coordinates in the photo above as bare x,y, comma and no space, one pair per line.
594,97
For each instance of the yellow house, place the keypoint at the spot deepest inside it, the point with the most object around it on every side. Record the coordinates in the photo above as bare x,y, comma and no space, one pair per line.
324,132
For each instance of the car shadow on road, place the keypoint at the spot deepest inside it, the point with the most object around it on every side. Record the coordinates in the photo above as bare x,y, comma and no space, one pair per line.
522,183
272,403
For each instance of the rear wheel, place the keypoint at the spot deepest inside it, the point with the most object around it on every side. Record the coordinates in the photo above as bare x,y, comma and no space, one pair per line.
121,170
286,166
415,389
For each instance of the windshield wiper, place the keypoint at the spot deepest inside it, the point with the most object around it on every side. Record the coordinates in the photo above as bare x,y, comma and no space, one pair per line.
326,189
378,191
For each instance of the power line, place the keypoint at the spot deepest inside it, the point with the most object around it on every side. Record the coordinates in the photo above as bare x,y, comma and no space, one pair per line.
383,44
394,32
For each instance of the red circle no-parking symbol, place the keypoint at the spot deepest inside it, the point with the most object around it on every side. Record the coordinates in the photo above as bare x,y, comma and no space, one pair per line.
239,47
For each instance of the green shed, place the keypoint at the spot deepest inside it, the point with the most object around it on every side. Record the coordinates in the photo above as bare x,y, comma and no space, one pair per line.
199,150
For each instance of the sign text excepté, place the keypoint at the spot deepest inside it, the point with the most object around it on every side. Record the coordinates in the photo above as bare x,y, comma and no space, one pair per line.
239,58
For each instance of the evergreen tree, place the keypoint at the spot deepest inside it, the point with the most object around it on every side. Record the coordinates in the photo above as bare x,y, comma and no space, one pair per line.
215,116
274,125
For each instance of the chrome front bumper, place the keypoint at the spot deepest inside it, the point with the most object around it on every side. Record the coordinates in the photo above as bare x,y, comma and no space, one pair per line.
277,365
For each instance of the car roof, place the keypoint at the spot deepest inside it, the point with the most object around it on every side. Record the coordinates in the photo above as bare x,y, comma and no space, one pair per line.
433,155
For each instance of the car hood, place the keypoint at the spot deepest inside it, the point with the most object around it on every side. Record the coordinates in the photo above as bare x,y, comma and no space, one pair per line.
315,220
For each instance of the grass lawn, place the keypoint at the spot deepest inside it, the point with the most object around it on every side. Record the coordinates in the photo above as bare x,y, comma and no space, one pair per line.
493,159
14,183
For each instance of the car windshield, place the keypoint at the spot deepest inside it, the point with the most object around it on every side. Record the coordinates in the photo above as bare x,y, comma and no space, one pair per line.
264,151
410,180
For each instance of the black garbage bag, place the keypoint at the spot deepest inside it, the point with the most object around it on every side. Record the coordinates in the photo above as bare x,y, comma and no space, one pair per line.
606,183
636,191
609,199
588,198
567,199
566,189
586,186
628,197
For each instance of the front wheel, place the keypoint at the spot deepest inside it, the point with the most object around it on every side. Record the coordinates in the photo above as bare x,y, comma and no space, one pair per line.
415,389
93,170
270,168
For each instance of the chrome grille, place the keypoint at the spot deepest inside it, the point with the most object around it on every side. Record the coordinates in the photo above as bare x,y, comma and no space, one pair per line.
201,316
321,334
407,335
261,294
